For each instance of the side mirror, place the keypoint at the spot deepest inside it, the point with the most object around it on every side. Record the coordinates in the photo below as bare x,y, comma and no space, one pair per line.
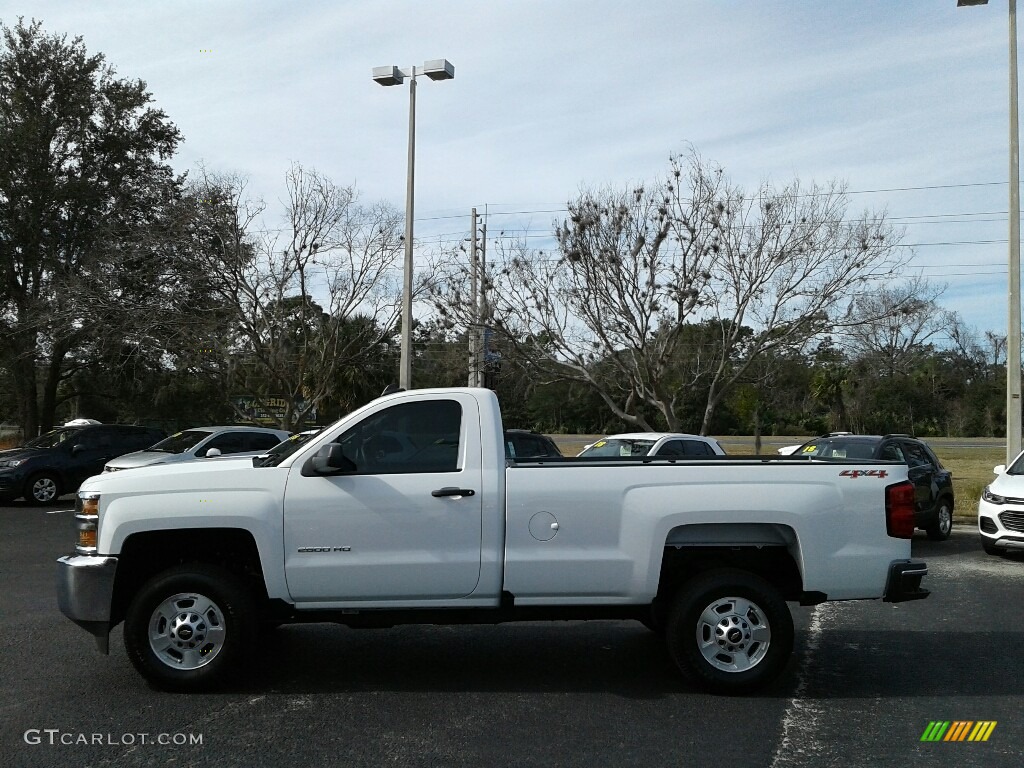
212,452
331,460
999,469
76,449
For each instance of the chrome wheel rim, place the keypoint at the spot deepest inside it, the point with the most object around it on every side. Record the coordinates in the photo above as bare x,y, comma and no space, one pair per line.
44,489
733,634
945,519
186,631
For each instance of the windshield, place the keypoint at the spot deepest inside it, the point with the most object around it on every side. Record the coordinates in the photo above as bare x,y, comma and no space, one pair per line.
180,442
286,448
52,439
1017,468
619,447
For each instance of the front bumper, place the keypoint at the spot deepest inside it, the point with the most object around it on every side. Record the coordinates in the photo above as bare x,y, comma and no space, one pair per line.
1002,525
904,582
12,482
85,590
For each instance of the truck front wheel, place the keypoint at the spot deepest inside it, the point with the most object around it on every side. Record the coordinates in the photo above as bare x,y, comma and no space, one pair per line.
187,628
730,631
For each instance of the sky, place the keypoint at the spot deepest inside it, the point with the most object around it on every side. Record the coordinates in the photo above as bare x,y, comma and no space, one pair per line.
904,100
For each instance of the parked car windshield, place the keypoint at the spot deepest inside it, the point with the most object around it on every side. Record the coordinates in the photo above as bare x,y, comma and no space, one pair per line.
1017,468
619,447
51,439
180,442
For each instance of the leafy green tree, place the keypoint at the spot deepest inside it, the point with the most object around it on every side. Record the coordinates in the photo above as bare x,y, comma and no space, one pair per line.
82,171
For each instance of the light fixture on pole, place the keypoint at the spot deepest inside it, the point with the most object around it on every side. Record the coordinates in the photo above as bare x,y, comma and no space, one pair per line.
1013,405
435,69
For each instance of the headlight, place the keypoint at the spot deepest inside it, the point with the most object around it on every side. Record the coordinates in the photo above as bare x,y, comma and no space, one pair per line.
992,498
87,518
12,463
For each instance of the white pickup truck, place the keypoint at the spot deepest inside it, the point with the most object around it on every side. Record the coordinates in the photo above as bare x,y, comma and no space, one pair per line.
407,511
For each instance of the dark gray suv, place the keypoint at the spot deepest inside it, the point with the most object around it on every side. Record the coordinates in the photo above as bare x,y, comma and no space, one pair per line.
56,463
933,483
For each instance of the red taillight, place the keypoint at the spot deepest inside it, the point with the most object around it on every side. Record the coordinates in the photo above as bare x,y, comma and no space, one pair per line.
899,510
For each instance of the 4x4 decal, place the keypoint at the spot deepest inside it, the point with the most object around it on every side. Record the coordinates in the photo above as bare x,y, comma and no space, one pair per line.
863,473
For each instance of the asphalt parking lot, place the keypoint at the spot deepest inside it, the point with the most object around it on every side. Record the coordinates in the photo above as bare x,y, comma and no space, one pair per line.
866,681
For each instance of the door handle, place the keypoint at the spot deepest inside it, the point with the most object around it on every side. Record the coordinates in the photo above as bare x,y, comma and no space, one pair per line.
451,491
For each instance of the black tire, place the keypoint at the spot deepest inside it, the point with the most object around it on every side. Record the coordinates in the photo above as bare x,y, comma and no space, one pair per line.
201,619
752,629
42,488
943,525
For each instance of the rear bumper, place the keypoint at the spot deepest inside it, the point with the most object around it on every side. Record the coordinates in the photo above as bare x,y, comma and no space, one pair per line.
85,590
904,582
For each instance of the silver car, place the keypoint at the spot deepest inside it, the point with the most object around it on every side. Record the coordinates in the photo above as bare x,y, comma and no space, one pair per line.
202,442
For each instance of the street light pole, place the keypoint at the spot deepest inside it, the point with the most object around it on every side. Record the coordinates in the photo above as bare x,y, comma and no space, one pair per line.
1013,360
436,69
405,361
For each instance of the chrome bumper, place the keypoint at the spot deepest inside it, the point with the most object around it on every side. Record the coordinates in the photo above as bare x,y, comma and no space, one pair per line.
904,581
85,590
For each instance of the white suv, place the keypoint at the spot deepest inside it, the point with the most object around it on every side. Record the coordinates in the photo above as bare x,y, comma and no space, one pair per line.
1001,510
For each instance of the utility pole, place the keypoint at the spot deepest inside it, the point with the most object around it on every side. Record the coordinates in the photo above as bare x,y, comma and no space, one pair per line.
486,367
1013,404
474,326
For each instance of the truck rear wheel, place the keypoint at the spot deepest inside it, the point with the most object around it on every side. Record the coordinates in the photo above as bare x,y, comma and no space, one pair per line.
187,628
730,631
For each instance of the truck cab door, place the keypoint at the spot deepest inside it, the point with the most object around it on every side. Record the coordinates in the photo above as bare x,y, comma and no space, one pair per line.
404,522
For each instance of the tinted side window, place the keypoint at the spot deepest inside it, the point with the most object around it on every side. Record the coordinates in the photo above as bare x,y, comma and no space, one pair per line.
229,442
528,445
126,437
697,448
932,458
258,441
672,448
149,437
92,438
105,437
407,438
891,452
916,457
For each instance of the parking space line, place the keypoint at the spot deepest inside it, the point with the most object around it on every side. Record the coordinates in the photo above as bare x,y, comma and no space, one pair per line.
800,740
58,511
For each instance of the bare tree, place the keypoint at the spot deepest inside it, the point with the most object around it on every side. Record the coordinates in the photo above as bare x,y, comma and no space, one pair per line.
894,325
633,270
608,309
308,300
